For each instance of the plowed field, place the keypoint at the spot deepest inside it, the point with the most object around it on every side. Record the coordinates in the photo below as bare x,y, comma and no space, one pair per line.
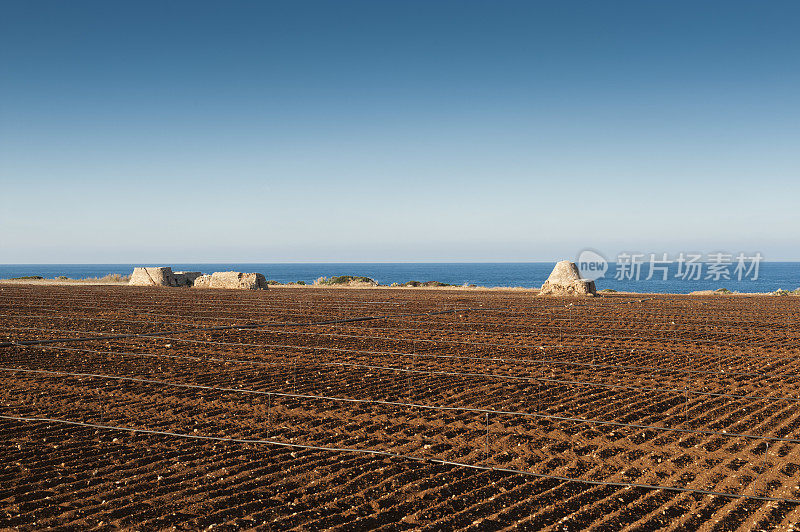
405,409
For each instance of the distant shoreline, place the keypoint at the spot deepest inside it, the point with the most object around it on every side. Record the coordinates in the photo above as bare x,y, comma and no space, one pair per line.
294,286
772,277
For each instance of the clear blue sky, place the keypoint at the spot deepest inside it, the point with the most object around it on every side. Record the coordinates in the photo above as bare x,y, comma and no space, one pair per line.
396,131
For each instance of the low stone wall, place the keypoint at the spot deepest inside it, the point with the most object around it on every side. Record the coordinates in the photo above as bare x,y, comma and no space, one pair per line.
164,276
234,280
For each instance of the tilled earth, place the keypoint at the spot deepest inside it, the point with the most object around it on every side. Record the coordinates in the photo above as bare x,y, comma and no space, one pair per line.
479,409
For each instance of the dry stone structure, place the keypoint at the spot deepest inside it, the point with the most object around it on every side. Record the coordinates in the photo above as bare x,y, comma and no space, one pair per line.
153,276
239,280
186,278
204,281
565,280
164,276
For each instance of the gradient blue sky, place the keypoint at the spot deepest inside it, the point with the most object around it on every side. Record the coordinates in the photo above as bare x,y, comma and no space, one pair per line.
396,131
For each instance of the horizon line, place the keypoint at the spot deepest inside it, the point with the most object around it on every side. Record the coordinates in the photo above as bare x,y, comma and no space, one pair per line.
328,262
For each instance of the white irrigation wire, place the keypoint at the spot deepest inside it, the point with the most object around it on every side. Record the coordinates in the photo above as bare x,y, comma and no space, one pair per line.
518,361
486,344
402,404
548,310
679,391
639,350
389,454
647,326
225,304
246,326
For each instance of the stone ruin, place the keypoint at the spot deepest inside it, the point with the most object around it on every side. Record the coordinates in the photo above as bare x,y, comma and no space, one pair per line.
164,276
565,280
186,278
247,281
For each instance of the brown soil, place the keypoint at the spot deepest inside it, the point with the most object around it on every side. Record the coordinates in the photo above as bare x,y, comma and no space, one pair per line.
692,386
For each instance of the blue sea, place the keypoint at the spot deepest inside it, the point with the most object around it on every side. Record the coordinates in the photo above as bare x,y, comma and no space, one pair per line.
771,275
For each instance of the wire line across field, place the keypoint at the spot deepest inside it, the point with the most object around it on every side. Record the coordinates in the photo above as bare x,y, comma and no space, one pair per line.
489,381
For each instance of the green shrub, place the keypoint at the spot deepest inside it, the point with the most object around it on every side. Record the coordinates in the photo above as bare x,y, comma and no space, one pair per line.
427,283
343,279
27,278
608,291
273,282
723,291
301,283
435,283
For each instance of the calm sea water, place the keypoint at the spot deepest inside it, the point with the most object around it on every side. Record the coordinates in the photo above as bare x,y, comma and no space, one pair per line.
772,275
